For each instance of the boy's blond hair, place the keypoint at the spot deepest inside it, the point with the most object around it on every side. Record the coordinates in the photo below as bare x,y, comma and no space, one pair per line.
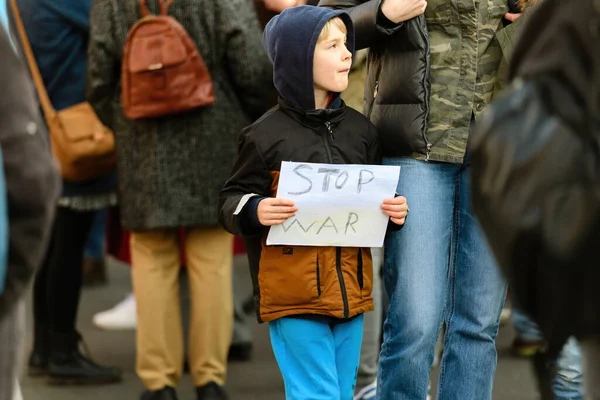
337,21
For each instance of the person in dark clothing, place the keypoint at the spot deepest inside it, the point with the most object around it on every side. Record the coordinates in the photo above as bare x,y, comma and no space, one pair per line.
32,187
316,339
542,214
58,32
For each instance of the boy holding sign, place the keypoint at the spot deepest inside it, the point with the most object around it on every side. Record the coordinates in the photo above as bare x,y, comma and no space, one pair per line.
312,296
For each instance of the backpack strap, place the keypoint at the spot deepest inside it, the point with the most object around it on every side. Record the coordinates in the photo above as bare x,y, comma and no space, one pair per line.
164,7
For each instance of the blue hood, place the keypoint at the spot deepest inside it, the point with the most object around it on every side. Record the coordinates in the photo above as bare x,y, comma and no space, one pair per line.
290,39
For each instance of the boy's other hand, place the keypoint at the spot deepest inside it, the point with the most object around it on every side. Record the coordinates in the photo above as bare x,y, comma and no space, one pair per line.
402,10
396,209
273,211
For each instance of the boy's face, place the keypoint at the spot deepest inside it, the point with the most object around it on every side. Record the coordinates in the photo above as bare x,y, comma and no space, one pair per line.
332,62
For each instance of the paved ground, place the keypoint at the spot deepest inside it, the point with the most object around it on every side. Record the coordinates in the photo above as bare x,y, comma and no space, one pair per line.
256,380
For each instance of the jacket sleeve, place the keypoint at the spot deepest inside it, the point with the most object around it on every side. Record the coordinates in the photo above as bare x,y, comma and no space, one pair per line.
103,66
246,61
374,150
249,179
369,22
31,176
76,13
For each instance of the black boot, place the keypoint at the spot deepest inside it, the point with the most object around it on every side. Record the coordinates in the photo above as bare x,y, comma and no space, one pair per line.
67,366
38,360
240,352
166,393
211,391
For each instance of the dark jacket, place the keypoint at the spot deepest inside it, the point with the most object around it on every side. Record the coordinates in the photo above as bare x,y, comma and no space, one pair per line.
292,280
59,32
428,76
32,180
171,169
535,175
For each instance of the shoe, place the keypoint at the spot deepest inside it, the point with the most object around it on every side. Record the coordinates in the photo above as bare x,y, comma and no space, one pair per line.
241,352
67,366
166,393
527,348
211,391
38,364
122,317
94,272
368,392
38,360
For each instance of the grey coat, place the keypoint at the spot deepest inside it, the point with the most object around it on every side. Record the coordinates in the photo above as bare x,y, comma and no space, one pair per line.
171,169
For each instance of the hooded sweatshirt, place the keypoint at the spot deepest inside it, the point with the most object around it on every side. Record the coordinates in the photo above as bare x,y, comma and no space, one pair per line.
290,39
313,281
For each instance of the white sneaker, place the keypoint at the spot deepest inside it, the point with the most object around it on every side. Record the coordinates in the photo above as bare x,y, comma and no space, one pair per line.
119,318
368,392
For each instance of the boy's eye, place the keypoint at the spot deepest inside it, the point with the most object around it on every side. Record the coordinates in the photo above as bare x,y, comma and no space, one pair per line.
333,46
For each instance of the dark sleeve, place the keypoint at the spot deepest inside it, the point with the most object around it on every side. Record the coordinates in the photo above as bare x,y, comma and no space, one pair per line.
75,12
249,179
104,64
246,60
374,150
32,181
369,22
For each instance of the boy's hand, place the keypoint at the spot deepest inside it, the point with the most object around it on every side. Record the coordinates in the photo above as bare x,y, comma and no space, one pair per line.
402,10
396,208
274,211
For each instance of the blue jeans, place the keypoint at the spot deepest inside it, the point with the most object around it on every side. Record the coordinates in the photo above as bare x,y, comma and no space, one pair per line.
318,361
94,248
568,383
438,268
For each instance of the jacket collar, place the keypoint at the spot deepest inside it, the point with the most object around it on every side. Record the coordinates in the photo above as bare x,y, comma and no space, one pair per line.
313,119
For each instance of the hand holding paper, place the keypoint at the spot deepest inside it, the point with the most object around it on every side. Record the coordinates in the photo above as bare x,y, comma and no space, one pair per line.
396,209
275,211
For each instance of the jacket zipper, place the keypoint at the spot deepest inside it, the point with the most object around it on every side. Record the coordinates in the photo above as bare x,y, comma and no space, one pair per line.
359,270
338,266
327,138
376,90
338,250
318,277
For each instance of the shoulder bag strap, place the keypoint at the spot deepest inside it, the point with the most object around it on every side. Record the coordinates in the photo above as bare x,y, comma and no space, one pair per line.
49,111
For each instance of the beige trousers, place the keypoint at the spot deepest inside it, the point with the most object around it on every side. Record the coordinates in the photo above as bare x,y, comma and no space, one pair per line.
155,269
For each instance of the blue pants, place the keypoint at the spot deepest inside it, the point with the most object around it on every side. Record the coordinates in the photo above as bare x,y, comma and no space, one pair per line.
438,268
94,247
568,383
318,361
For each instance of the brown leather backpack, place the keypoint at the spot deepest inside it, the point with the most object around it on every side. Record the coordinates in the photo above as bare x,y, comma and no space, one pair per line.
83,147
162,72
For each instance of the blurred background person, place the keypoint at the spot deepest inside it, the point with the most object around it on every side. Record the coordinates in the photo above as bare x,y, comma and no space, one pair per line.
171,169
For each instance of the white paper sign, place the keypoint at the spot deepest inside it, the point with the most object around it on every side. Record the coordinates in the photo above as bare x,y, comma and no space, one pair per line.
338,204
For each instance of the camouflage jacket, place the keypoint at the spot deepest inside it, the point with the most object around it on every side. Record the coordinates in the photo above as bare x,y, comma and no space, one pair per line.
428,76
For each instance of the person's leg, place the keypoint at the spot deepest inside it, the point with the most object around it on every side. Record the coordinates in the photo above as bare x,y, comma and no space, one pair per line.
568,383
590,351
529,339
66,270
94,265
155,271
305,352
38,360
371,345
415,276
476,296
347,338
209,258
11,334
